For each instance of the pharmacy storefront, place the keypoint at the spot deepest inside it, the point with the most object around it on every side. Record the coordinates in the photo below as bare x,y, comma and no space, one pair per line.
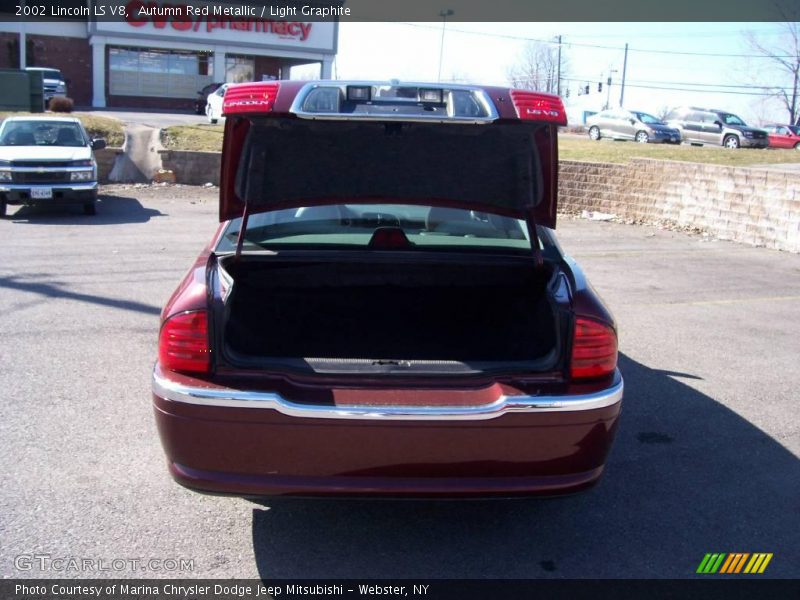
160,55
156,58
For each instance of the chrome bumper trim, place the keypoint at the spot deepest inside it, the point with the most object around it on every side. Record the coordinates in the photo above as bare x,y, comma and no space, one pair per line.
56,185
226,397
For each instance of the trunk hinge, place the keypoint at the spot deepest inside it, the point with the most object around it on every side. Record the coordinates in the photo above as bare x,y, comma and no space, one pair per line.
242,229
530,221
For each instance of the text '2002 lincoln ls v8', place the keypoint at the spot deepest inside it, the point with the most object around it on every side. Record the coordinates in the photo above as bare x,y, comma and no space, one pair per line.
384,309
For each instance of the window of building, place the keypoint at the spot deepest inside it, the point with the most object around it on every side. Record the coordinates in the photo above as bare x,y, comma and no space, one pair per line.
239,68
160,73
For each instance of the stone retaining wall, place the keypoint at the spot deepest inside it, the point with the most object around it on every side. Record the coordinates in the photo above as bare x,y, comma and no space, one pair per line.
753,206
105,162
192,168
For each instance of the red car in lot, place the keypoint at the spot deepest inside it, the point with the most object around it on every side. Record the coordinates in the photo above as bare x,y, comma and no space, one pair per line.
385,309
783,136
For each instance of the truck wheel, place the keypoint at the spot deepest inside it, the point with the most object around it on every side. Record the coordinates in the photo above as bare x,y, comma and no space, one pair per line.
731,141
89,208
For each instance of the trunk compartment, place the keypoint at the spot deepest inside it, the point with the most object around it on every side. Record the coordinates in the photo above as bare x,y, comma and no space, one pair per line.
354,315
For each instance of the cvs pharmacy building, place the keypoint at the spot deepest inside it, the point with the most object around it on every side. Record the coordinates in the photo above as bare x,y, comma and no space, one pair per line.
156,58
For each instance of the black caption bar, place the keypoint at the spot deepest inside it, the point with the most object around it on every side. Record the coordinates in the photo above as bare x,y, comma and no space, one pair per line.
220,589
425,10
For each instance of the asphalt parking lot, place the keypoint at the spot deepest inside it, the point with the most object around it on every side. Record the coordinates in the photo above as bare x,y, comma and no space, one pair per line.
706,457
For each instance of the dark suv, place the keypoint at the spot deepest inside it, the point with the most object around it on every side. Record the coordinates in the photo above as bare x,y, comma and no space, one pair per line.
711,126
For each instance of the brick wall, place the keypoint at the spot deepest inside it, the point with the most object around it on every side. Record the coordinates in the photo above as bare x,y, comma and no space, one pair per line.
752,206
266,65
72,56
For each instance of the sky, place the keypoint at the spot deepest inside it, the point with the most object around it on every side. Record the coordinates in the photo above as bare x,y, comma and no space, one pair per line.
667,56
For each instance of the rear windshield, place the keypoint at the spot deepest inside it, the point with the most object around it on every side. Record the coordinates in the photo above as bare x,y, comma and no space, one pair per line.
488,167
352,225
42,133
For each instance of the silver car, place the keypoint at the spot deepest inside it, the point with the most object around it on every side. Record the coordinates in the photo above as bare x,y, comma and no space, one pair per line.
621,124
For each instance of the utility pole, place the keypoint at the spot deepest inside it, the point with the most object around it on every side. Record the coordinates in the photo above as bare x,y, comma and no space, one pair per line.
558,85
624,70
444,14
23,42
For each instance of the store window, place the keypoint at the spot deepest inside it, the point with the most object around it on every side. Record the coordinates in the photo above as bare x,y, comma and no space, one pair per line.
239,68
161,73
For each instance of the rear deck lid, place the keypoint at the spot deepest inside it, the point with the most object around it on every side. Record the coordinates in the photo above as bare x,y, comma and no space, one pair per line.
491,150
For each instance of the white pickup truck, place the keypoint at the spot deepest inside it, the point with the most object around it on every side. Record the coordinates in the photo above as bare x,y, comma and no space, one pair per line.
47,160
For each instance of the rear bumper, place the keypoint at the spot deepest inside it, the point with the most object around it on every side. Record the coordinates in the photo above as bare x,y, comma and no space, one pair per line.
218,442
65,193
746,142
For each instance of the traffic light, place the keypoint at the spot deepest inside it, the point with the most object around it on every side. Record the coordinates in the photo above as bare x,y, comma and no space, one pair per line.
586,89
600,87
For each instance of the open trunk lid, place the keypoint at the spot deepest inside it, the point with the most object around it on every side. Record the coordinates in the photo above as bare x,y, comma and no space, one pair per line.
484,149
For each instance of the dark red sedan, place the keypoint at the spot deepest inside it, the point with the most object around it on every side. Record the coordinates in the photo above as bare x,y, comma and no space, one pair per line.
783,136
384,309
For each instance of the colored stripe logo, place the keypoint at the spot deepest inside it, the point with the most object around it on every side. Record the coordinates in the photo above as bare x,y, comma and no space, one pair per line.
733,563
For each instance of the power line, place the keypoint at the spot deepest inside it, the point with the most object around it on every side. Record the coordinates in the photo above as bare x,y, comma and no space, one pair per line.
597,46
681,89
693,34
698,85
595,79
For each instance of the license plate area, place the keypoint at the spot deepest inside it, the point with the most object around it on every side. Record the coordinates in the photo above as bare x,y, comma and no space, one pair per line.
41,193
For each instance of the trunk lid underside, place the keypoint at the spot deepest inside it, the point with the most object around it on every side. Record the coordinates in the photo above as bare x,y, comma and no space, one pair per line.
281,162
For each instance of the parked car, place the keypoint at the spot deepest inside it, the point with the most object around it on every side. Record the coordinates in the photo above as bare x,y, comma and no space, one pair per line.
783,136
384,309
621,124
202,97
718,127
54,82
214,104
47,160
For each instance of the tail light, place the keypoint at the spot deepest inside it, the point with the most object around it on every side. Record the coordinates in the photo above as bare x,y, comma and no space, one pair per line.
594,349
250,98
537,106
183,343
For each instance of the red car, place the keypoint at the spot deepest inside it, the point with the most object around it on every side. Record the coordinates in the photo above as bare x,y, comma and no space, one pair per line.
384,309
783,136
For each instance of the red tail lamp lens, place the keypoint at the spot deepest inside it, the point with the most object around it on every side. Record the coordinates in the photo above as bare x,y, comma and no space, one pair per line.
594,349
183,343
537,106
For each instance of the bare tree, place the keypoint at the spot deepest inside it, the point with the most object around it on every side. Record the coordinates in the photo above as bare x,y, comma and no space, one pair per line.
537,68
784,77
663,112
